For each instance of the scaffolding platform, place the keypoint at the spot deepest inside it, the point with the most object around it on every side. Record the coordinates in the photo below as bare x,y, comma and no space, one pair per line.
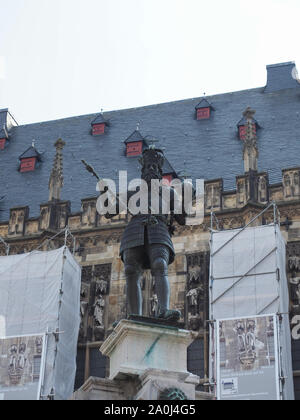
248,281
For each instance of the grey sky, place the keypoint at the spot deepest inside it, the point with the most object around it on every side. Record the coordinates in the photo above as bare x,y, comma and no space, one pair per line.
60,58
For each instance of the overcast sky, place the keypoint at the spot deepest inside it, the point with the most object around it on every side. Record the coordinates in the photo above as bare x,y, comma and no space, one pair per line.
60,58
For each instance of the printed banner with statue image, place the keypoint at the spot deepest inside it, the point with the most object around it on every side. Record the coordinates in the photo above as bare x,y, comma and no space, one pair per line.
21,367
247,363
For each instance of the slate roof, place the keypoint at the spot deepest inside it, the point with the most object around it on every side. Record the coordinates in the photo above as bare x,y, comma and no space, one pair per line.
30,153
204,104
3,134
167,168
99,120
210,148
134,137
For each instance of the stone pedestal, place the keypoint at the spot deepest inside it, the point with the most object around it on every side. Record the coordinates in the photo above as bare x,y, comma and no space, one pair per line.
135,346
148,361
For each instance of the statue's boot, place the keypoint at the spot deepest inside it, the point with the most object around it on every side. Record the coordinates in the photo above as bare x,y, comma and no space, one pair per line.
134,291
160,273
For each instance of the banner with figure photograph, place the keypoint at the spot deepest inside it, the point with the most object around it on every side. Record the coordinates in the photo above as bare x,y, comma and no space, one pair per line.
247,362
21,367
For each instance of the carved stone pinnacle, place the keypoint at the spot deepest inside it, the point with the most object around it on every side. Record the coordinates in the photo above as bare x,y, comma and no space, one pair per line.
249,113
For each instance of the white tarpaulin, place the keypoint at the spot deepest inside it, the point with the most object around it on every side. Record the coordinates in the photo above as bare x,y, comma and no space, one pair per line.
40,293
248,277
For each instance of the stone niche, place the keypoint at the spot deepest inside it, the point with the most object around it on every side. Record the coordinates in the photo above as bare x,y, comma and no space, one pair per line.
242,190
213,195
17,220
94,302
291,183
197,291
276,192
89,213
263,188
54,215
293,271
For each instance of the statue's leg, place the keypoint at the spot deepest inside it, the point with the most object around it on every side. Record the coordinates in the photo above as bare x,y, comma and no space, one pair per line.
159,260
133,272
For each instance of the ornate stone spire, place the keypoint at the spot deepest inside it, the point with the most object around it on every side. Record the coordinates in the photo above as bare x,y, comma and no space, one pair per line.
56,180
250,143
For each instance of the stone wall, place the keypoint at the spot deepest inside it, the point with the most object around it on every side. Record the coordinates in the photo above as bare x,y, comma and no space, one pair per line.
103,293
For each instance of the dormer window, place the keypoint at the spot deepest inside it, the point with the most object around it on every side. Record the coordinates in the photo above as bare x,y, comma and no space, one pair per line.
135,144
2,143
99,125
98,129
204,110
134,149
203,114
27,165
29,159
242,128
168,178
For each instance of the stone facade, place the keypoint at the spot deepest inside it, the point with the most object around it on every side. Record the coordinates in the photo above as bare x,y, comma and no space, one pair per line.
103,293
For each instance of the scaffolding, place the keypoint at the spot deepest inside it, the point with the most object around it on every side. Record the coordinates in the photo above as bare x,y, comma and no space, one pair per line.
69,240
40,294
47,244
247,279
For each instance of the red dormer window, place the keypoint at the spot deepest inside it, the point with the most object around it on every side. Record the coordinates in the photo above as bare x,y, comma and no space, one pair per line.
167,179
98,125
134,149
203,113
2,144
28,164
204,110
98,129
29,159
243,131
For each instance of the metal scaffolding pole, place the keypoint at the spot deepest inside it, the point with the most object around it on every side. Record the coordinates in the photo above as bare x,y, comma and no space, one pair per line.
237,278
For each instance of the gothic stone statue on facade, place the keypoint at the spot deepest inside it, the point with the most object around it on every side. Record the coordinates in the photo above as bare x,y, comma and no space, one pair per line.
147,244
99,311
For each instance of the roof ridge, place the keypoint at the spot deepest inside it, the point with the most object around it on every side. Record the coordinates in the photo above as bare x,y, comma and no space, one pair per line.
94,115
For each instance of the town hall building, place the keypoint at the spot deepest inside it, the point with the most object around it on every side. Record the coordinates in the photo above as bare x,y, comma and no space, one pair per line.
45,188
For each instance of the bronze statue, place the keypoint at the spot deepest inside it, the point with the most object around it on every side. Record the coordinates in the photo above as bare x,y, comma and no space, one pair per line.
147,244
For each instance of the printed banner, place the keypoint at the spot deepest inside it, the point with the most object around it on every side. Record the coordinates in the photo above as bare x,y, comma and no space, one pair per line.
247,363
21,367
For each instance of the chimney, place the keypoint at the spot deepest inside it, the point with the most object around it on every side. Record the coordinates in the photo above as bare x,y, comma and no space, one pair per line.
7,120
6,123
282,76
